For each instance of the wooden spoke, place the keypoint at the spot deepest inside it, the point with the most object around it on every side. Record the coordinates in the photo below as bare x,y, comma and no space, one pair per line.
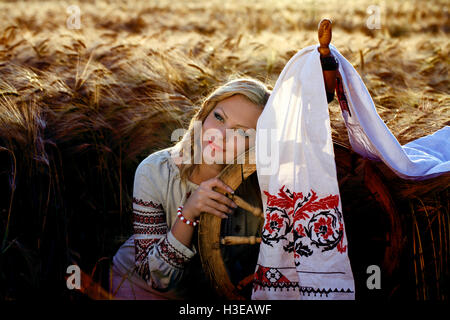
247,207
257,212
242,172
235,240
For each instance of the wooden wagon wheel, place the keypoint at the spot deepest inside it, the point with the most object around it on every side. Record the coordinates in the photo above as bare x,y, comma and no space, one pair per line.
354,175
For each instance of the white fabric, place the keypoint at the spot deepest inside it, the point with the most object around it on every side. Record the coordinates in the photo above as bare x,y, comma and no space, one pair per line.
421,159
303,254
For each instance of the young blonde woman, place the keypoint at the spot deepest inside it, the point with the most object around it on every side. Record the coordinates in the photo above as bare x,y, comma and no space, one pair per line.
173,186
171,189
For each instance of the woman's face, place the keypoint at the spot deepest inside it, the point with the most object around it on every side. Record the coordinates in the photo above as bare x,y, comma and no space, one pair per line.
229,129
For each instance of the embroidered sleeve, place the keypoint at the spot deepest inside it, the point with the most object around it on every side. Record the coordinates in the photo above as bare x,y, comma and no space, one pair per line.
159,257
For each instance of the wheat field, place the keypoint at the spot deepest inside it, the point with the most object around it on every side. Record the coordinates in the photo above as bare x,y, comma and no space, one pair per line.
83,101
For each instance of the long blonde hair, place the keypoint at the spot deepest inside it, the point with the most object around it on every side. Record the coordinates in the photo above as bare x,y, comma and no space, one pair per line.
254,90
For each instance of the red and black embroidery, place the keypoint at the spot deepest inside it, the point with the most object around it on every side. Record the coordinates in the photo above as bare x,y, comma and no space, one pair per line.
149,230
325,229
153,212
145,219
171,255
149,204
149,227
142,249
266,277
275,229
273,278
274,222
314,222
150,223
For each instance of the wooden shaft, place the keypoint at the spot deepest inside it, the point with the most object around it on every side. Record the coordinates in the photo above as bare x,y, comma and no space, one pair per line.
329,77
243,204
325,35
235,240
248,207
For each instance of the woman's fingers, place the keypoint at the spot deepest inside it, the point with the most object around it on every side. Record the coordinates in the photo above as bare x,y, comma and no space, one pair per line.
222,199
219,206
214,202
216,182
215,212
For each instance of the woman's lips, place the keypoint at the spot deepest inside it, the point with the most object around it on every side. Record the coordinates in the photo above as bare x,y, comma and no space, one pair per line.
214,146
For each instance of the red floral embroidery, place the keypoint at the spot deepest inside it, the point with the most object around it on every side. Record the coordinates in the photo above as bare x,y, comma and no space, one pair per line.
323,226
313,221
300,231
283,200
315,204
273,222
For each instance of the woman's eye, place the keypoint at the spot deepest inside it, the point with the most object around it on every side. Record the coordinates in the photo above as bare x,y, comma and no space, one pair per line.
217,116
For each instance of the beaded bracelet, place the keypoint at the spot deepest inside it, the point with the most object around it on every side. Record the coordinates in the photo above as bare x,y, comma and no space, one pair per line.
183,218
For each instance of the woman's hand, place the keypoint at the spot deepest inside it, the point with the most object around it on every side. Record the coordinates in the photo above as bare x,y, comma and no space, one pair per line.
205,199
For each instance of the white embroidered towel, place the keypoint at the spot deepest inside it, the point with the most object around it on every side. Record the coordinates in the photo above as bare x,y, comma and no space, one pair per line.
303,254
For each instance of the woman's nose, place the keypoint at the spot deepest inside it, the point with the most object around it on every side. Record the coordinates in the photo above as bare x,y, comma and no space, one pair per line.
223,132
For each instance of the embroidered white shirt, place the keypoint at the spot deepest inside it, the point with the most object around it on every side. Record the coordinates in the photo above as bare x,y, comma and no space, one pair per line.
152,257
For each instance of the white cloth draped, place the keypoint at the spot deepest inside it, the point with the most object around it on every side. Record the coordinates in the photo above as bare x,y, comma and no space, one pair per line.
303,254
420,159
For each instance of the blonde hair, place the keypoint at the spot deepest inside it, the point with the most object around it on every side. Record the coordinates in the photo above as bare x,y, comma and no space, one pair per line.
254,90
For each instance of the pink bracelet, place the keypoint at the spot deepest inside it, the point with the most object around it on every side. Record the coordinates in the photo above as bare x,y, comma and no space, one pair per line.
183,218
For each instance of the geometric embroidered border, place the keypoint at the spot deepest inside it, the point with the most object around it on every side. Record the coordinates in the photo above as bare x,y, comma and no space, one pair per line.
273,278
171,255
149,212
151,230
259,285
150,203
142,248
140,218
